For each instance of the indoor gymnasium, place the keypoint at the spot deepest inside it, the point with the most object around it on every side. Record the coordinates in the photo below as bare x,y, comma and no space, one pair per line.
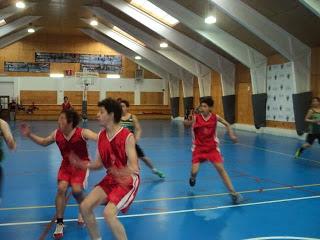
159,119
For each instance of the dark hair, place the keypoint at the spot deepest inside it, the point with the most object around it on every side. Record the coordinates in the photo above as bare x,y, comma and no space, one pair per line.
207,100
317,98
72,117
112,106
125,102
65,98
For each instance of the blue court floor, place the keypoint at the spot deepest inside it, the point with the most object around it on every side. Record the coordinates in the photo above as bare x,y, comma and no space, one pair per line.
282,193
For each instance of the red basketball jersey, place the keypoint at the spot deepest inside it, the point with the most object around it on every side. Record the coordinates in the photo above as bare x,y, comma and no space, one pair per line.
113,151
66,106
205,131
76,143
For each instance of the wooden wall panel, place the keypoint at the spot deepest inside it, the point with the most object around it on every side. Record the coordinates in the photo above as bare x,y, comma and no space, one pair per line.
38,97
153,98
244,111
276,59
75,97
129,96
276,124
93,97
150,75
196,92
24,51
129,70
216,92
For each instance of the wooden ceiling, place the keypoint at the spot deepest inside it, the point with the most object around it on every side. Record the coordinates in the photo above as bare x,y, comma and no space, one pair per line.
58,16
63,17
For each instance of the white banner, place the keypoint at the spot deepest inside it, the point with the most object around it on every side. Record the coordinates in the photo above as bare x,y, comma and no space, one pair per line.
280,88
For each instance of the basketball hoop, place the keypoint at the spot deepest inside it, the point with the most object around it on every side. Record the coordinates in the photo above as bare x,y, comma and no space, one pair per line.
84,80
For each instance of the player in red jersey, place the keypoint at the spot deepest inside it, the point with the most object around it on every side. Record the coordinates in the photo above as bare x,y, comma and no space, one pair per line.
66,105
205,144
117,153
69,138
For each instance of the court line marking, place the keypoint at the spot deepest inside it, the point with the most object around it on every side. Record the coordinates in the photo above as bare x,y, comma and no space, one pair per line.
268,150
47,228
176,211
178,198
227,141
282,237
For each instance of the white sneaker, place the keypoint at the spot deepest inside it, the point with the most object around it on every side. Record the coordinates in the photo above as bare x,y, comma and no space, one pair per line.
58,233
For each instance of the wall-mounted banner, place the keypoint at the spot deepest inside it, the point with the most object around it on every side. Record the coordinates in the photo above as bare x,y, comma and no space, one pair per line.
90,62
26,67
57,57
114,60
279,91
100,68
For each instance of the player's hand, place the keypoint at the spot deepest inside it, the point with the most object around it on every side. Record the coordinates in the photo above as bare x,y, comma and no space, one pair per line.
233,138
122,172
122,176
25,129
77,162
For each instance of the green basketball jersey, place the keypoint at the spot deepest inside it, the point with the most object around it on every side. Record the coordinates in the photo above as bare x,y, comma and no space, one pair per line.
314,127
128,123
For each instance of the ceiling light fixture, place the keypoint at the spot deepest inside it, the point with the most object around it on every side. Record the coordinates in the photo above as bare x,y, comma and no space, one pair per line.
163,45
31,30
155,11
94,22
2,22
56,75
210,20
20,4
113,75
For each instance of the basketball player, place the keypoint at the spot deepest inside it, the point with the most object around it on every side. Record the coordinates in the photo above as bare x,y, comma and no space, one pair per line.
69,138
313,119
116,153
66,105
131,122
206,144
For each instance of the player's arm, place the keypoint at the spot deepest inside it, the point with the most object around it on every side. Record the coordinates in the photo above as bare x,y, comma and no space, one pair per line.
228,127
188,122
131,152
79,163
43,141
96,164
137,128
5,129
308,118
89,135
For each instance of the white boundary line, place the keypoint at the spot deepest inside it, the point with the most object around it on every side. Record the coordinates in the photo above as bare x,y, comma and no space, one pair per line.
281,238
174,212
262,190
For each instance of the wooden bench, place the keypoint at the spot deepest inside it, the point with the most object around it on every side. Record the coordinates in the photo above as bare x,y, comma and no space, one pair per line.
51,112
